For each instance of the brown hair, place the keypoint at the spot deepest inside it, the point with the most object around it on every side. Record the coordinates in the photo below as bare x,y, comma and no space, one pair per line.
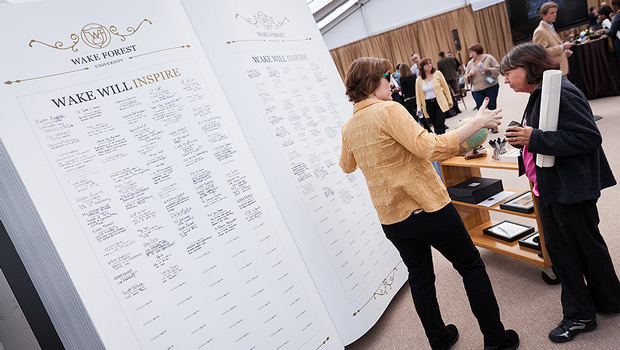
477,48
532,57
423,63
364,76
546,7
405,70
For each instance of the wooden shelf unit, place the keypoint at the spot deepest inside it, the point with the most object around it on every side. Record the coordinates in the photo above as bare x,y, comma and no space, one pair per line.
456,170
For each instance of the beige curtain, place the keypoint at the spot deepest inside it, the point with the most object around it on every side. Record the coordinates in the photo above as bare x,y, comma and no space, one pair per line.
489,27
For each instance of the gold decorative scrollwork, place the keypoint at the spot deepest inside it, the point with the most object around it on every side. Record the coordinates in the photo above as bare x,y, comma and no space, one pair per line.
324,342
264,20
9,82
166,49
382,289
265,40
130,30
59,44
94,35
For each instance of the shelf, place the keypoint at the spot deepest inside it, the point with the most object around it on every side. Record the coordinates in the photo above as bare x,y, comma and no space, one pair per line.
507,248
496,207
483,162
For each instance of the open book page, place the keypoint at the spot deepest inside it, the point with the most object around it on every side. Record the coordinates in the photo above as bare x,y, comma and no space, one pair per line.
118,127
290,102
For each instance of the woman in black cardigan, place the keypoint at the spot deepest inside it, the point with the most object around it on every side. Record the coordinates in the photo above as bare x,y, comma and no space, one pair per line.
567,192
407,85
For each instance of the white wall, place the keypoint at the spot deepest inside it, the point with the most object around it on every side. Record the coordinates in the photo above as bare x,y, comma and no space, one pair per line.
378,16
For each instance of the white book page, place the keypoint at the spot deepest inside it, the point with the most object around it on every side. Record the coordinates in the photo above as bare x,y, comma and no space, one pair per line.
291,104
145,183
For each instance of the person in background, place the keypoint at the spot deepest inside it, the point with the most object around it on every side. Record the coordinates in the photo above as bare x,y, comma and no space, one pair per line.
408,88
592,17
567,192
615,28
546,35
604,18
415,59
482,72
394,153
396,74
396,91
449,67
433,96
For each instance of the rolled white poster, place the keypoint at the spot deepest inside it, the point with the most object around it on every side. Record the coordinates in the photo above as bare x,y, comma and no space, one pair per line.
549,110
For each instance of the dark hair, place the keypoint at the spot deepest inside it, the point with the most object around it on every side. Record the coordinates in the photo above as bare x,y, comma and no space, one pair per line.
442,54
532,57
592,8
423,63
605,10
546,7
477,48
614,5
405,70
364,76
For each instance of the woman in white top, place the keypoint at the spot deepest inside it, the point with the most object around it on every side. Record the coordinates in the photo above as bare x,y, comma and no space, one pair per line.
433,96
604,15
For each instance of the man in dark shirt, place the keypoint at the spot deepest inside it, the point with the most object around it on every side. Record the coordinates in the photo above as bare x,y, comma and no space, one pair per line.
592,17
449,67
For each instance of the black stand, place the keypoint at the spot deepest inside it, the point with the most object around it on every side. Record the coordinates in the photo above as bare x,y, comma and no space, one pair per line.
26,295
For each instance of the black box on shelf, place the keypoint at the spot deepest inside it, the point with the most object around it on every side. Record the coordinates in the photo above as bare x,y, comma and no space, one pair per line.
475,189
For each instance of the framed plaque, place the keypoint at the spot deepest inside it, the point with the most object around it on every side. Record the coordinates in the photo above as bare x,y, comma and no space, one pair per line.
531,241
523,203
508,231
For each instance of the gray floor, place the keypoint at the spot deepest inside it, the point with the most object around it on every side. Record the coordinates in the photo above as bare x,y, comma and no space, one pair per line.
528,305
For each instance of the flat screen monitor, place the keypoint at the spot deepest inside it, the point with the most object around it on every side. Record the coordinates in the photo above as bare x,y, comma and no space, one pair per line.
524,16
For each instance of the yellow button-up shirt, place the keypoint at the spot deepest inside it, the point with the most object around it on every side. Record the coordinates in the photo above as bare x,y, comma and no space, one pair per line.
394,154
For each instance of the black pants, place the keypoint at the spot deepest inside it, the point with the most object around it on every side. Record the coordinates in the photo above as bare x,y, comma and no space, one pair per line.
438,118
577,251
412,108
454,87
444,230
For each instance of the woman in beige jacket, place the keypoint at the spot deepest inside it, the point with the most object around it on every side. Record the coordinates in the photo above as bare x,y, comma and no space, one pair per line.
433,97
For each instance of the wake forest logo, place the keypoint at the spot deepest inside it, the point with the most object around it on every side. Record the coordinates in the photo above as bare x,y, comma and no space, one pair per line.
94,35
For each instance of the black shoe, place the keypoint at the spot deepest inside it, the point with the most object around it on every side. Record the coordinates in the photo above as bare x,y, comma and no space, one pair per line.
568,329
453,336
511,342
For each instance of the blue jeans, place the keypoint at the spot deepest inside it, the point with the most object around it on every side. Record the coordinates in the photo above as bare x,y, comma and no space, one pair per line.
444,230
490,92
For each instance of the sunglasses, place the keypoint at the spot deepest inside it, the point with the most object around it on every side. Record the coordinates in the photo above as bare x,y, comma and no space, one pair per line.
386,75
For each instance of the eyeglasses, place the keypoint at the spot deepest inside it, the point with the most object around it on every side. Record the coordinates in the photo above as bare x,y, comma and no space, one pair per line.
386,75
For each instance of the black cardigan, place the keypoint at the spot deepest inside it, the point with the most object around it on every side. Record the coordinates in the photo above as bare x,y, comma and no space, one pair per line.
407,85
581,169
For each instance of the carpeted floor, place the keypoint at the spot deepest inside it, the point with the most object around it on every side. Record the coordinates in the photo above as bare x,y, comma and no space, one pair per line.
527,304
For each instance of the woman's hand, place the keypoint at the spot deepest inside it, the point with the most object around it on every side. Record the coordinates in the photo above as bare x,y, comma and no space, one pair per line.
487,118
451,104
518,136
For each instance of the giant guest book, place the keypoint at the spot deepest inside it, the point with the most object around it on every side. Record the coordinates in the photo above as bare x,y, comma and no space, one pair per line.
169,176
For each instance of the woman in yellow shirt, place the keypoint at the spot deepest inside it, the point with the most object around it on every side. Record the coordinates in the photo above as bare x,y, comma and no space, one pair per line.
395,154
433,96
